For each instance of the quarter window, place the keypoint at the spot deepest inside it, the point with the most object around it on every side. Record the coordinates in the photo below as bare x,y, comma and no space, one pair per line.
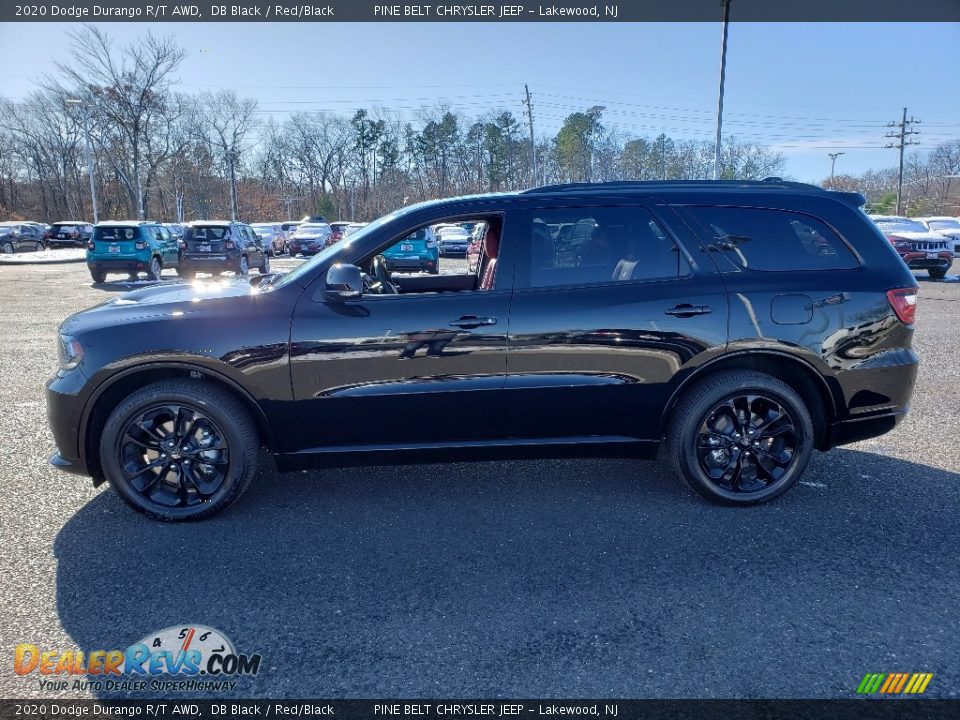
575,246
773,240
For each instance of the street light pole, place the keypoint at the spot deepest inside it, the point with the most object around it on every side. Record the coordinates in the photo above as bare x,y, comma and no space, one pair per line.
833,161
89,153
723,73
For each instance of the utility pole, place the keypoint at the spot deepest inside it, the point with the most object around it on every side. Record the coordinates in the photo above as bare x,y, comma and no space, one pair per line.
833,161
900,136
723,73
533,147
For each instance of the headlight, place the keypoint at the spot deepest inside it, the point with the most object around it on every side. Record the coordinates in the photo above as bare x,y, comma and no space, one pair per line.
70,352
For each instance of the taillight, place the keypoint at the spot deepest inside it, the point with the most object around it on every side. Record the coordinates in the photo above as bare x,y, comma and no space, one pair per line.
90,245
904,303
140,244
229,244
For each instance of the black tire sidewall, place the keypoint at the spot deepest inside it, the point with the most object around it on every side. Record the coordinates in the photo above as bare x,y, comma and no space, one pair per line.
688,461
221,413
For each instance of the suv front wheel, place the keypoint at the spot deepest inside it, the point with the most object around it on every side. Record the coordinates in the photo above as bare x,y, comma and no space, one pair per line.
179,450
740,437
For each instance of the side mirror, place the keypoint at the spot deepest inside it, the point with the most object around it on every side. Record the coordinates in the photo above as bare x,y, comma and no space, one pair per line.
344,283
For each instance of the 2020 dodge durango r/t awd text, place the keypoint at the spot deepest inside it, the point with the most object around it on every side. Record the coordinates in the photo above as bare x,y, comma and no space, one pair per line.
736,327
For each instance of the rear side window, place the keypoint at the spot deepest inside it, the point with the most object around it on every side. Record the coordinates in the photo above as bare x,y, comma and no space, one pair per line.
773,240
574,246
115,234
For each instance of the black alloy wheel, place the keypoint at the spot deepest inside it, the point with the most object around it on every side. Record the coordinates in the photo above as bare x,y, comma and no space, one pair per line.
746,442
740,437
174,456
179,449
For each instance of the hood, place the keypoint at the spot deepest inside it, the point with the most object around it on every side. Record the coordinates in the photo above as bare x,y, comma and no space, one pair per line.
168,299
927,236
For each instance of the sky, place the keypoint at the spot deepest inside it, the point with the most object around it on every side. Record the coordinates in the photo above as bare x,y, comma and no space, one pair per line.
803,89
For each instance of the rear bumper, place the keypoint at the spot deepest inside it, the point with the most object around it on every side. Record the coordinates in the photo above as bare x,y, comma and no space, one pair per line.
119,264
877,396
920,261
408,263
203,261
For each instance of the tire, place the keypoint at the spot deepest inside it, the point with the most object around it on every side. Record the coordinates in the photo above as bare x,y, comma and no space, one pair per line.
265,265
703,438
243,266
39,246
938,273
156,268
99,276
174,494
7,248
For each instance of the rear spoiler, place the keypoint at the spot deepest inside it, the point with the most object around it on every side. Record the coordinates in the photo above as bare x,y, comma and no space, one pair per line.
853,199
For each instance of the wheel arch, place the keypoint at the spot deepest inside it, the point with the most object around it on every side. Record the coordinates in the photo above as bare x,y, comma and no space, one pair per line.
799,374
111,392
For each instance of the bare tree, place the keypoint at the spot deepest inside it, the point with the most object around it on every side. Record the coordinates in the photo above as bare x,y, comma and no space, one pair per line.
127,93
227,120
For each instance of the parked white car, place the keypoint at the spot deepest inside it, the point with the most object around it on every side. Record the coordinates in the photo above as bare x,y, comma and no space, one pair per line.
949,226
452,240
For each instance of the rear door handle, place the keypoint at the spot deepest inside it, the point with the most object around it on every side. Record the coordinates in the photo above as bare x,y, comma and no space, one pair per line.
468,322
685,310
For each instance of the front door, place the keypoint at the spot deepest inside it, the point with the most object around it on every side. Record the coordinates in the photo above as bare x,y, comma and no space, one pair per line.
398,370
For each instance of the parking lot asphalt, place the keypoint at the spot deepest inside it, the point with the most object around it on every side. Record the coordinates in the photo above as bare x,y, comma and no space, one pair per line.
573,578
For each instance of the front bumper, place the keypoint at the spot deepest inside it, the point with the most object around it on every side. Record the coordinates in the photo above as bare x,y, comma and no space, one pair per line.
65,401
920,261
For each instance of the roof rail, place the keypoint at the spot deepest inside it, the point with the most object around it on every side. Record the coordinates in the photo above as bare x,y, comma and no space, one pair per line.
769,182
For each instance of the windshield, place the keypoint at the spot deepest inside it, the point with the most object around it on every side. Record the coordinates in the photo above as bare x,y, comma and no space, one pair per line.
901,225
340,249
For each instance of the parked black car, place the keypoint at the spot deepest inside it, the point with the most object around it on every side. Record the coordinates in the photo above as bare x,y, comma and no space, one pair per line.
70,232
218,246
736,327
20,237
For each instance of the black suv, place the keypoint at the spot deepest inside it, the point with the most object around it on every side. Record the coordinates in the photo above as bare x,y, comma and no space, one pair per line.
218,246
734,326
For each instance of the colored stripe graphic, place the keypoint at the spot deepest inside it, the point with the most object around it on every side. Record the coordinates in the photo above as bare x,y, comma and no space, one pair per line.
870,683
918,683
894,683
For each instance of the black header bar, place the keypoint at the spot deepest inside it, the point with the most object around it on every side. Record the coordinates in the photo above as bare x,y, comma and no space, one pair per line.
516,11
391,709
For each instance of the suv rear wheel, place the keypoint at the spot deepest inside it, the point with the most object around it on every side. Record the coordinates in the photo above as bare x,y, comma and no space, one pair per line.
98,276
156,268
740,437
265,265
179,450
243,267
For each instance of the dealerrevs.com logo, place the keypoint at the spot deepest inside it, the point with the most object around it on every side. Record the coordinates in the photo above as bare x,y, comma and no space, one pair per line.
190,650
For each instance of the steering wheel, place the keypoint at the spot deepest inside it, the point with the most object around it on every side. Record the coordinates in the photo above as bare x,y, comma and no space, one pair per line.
378,267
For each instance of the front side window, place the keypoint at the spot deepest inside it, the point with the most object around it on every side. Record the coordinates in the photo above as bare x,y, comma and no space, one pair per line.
773,240
575,246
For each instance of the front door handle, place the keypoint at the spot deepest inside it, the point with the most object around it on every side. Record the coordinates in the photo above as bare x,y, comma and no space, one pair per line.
685,310
468,322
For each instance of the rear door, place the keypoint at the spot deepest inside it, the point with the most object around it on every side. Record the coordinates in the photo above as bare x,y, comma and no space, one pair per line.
600,328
